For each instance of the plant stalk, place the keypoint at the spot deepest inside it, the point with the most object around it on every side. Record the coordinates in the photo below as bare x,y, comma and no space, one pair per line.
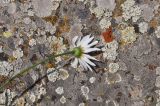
31,67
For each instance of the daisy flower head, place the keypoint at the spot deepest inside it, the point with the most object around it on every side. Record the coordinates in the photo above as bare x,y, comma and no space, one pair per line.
82,46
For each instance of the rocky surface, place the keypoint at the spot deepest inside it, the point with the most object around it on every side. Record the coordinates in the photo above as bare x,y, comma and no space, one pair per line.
128,70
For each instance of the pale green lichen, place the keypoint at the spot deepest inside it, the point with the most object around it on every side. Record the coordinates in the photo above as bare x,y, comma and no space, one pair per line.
128,35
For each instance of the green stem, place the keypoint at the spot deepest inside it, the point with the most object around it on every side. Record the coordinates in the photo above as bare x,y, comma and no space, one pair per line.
31,67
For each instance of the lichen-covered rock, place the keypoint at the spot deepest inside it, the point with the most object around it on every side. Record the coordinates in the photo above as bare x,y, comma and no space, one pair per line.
128,35
43,8
113,67
106,4
127,32
147,12
110,50
143,27
131,11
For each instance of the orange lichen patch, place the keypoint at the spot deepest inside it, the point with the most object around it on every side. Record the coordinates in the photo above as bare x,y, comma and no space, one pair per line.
25,49
11,59
122,43
4,78
20,102
151,66
64,26
153,23
108,35
51,19
135,91
49,65
118,10
66,57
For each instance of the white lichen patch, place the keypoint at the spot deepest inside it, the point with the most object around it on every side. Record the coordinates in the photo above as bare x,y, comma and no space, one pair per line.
99,99
113,67
130,10
41,39
157,32
92,79
5,68
56,45
113,78
110,54
63,74
98,11
158,70
108,13
50,28
85,91
18,41
143,27
63,100
110,50
52,76
81,104
17,65
104,23
59,90
157,81
30,13
2,98
156,8
18,53
55,5
128,35
57,74
158,104
32,97
7,94
158,98
40,91
27,20
111,45
32,42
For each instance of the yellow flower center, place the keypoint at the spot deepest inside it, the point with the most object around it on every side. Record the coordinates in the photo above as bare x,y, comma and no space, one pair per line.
77,52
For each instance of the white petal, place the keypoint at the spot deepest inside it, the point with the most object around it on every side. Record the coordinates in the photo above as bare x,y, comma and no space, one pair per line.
86,40
83,64
78,43
90,57
74,63
84,43
91,50
86,64
88,61
74,40
92,44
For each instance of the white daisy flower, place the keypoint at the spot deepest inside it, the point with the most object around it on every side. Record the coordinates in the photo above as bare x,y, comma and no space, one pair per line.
81,48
